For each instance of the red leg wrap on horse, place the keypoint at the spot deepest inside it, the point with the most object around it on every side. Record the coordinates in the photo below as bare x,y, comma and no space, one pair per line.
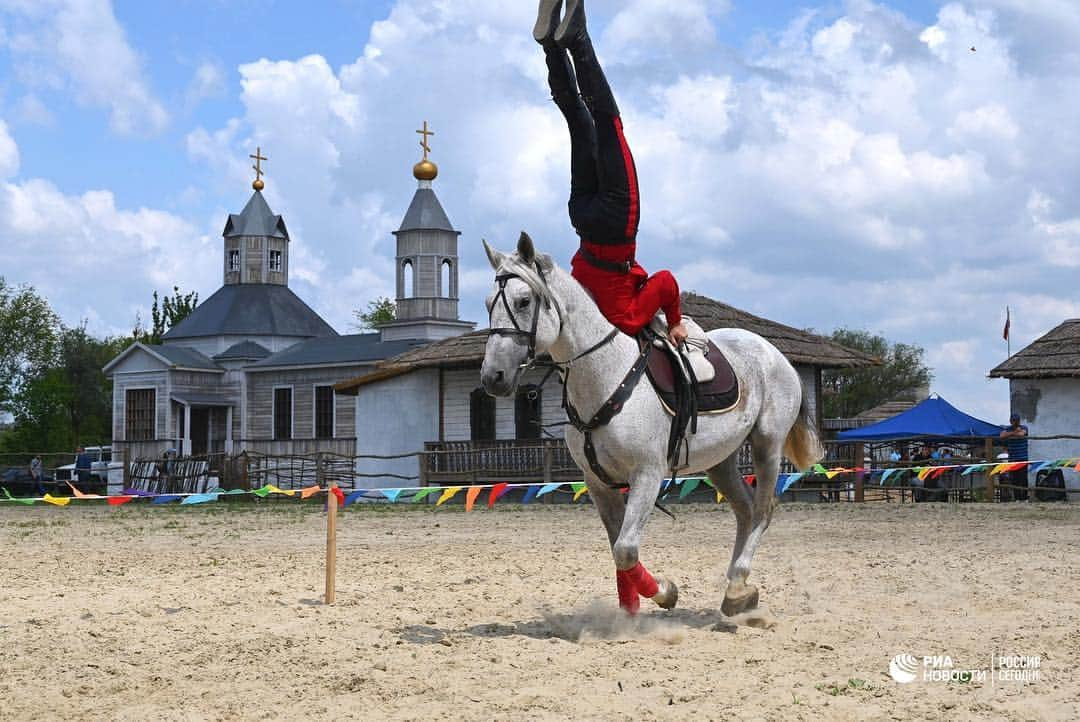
643,581
628,594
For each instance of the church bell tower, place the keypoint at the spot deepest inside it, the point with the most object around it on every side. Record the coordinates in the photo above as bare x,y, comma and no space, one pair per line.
256,240
426,264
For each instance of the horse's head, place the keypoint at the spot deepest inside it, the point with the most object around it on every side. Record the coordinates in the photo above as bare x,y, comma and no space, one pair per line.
524,316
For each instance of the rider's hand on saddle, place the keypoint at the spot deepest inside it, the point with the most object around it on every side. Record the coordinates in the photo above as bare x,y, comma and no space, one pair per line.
677,334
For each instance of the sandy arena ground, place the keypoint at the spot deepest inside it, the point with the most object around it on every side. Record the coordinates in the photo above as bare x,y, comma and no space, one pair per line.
215,612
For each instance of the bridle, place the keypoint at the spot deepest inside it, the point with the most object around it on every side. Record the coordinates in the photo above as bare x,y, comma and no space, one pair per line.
517,331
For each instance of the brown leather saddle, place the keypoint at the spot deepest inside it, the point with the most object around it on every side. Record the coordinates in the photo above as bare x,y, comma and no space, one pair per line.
719,395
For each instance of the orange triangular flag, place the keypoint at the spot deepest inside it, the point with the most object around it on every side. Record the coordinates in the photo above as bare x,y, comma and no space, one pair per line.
470,496
310,491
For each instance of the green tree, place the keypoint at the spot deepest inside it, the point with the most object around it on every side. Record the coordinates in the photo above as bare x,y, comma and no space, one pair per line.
68,403
847,392
28,336
381,310
164,315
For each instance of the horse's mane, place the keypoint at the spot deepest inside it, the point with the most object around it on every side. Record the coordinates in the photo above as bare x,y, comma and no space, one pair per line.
527,272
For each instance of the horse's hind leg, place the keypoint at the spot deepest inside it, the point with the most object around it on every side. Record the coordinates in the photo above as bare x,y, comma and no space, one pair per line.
727,479
740,596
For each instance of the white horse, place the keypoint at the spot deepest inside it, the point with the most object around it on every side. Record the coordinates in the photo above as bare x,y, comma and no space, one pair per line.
537,307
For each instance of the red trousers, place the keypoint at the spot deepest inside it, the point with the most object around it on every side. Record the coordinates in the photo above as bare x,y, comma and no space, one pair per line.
628,300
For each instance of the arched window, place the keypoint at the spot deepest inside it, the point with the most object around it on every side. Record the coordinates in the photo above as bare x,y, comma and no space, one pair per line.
481,415
407,290
446,272
528,412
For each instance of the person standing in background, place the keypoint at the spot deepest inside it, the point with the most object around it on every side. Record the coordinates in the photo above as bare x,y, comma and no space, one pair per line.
82,466
36,475
1016,443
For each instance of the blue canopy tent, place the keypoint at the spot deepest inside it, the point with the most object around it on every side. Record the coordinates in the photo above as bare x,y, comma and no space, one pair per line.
933,418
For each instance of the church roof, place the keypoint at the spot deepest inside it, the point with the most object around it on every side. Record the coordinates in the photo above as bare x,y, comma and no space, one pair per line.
176,357
255,220
425,213
251,309
185,357
243,351
358,348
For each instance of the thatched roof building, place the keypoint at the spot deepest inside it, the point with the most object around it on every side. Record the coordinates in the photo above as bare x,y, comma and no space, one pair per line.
800,347
1055,355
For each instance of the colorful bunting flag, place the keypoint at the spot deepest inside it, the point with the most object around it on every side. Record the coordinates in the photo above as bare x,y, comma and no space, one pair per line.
391,494
688,487
785,481
423,492
497,491
353,497
200,498
547,489
164,499
579,489
448,494
57,500
470,496
18,500
118,500
309,491
530,494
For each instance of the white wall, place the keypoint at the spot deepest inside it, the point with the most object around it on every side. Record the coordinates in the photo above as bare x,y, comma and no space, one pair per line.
458,384
808,376
1049,407
396,416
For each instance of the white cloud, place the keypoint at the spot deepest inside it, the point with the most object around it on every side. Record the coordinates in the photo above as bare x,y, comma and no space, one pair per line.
9,153
79,45
208,81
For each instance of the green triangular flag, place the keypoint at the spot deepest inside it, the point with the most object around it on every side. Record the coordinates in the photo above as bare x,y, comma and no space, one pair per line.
263,491
421,493
27,502
688,487
819,469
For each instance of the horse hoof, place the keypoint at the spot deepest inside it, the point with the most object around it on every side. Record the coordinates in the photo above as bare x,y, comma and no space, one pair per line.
668,596
743,599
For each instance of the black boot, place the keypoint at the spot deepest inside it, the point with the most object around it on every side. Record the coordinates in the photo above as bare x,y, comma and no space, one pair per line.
547,19
595,90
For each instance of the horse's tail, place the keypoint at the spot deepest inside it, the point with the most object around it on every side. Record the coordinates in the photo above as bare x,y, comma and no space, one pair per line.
802,446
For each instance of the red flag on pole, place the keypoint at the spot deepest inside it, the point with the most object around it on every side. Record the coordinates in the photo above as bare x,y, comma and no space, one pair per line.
1005,333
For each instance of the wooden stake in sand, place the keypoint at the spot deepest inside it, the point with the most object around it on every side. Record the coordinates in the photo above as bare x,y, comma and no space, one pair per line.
331,541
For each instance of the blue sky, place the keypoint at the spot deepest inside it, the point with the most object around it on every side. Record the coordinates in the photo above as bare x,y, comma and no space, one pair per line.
824,164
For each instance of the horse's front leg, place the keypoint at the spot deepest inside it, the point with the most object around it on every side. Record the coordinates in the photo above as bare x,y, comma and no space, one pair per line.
632,578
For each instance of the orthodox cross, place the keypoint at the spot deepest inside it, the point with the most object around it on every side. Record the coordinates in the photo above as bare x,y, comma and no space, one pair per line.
423,143
258,158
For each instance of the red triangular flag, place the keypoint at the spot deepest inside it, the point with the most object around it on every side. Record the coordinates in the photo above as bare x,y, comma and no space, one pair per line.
497,491
118,500
339,494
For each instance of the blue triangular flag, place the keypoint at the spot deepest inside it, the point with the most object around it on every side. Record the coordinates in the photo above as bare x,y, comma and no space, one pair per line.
391,494
352,498
198,498
530,494
548,488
